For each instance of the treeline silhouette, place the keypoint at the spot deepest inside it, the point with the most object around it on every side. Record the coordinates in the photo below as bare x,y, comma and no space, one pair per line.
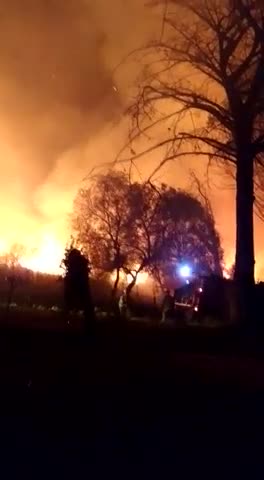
126,228
44,291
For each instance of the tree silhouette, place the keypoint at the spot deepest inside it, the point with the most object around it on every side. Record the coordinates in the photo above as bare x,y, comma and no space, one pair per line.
76,283
132,227
14,255
11,260
206,89
170,226
252,12
188,233
99,222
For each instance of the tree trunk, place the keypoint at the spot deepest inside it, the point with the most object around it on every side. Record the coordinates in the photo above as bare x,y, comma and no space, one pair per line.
116,283
130,287
245,260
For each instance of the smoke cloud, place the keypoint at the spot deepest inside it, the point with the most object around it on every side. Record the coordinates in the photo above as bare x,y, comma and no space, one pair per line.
55,90
60,113
57,99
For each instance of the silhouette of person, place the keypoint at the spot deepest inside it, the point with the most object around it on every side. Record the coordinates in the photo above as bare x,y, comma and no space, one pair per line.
167,306
77,295
122,304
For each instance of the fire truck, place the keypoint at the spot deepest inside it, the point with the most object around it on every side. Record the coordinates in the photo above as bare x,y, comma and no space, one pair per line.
187,299
203,296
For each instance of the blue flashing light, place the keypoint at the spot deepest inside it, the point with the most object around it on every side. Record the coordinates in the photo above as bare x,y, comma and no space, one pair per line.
185,271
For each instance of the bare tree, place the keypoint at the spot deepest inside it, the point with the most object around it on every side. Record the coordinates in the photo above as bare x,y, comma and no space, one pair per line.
145,243
99,223
211,237
252,12
206,90
131,227
112,222
189,235
11,260
169,227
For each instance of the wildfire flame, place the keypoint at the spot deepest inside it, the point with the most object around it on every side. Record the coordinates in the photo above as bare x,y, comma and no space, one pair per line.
47,257
141,278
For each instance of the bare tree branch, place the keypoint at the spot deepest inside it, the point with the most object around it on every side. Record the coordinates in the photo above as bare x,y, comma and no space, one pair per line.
211,61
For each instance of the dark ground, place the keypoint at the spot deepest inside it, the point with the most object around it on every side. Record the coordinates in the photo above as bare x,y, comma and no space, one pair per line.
130,402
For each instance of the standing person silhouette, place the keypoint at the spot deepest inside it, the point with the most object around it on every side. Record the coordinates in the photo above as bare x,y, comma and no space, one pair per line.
77,295
167,306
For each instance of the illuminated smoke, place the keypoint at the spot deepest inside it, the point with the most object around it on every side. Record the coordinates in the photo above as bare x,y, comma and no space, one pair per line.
61,111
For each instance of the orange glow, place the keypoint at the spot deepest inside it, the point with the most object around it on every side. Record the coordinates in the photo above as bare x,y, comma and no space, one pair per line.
47,257
3,247
42,252
141,278
63,118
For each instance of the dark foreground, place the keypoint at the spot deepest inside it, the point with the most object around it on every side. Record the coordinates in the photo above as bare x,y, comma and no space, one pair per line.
131,403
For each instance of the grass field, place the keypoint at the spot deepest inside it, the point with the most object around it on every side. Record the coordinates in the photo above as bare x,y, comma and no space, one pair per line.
129,401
